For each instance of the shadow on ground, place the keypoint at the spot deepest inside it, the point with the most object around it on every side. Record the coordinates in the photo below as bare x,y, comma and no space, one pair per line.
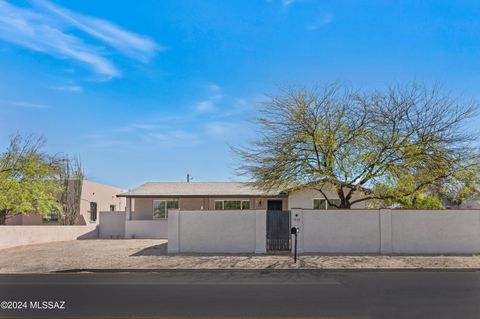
161,250
155,250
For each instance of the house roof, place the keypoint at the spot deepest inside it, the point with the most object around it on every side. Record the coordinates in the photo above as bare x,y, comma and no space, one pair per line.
192,189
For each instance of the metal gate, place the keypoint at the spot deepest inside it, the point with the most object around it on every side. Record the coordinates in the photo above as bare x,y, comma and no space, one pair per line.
278,230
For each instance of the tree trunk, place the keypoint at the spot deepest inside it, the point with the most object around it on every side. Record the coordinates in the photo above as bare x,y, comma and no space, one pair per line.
344,201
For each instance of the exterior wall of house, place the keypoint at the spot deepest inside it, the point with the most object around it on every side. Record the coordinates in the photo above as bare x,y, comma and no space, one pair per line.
304,198
103,195
143,207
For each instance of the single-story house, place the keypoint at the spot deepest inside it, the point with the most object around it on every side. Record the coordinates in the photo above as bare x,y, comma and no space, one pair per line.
153,199
147,206
95,197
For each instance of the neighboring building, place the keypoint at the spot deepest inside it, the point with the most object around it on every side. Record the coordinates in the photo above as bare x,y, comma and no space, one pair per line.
471,204
95,198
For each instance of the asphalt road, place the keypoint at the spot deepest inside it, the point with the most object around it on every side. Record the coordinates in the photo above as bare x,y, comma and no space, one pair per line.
244,294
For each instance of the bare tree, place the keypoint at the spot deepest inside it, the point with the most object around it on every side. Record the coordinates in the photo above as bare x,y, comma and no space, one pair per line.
71,178
381,145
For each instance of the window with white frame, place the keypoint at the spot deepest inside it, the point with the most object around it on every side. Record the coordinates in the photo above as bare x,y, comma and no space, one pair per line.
232,204
322,203
161,207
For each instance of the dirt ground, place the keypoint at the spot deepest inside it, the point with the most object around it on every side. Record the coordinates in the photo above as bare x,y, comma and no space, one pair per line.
152,254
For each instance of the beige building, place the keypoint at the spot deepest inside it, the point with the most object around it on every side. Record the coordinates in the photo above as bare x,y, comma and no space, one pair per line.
95,198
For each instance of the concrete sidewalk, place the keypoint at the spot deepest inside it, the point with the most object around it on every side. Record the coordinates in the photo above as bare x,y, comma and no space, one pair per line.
143,254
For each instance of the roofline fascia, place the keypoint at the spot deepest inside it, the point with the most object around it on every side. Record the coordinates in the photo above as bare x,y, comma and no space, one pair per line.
202,196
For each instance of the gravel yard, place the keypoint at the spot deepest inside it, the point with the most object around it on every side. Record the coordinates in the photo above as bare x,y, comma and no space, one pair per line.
152,254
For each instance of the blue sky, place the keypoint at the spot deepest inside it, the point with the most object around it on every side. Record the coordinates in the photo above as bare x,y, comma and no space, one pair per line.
153,90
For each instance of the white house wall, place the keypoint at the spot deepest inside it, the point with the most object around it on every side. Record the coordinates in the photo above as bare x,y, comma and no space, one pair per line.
304,198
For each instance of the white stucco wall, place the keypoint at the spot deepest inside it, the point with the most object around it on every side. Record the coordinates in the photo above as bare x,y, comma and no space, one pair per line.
436,231
146,228
341,231
217,231
11,236
111,225
388,231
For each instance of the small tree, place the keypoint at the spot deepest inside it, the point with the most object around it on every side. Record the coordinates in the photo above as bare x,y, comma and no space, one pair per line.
382,145
71,177
27,179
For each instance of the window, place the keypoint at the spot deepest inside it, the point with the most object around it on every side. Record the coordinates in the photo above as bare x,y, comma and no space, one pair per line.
161,207
333,202
52,218
112,208
232,204
319,203
245,204
219,204
93,211
323,204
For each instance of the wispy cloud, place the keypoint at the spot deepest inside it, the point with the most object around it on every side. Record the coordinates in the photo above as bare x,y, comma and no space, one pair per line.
26,104
224,130
174,138
131,44
204,106
208,105
321,21
45,31
183,128
69,88
138,127
287,3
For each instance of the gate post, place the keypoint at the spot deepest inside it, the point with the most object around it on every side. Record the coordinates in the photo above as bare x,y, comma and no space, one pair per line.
386,244
173,245
297,221
260,231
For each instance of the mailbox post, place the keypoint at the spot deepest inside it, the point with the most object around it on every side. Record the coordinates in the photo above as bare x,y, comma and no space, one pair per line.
295,231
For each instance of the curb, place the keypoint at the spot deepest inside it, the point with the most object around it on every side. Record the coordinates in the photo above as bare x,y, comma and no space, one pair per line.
262,271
